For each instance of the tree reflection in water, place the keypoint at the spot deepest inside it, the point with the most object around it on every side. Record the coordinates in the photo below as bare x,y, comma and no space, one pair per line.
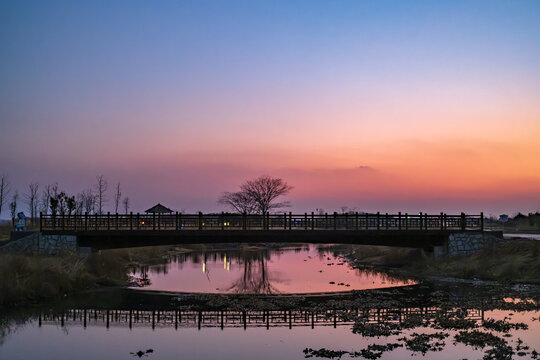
255,279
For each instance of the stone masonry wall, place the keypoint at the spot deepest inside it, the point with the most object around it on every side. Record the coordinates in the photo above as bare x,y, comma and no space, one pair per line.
465,243
36,243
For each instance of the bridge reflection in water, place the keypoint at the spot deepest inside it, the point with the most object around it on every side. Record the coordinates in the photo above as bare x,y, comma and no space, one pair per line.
245,319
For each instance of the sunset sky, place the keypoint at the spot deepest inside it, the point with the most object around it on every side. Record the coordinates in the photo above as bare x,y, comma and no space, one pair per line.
376,105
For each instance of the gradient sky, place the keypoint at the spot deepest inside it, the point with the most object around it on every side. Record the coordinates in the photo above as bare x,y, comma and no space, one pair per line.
379,105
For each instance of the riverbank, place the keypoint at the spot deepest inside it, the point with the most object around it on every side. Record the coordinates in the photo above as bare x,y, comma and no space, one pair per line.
30,279
512,261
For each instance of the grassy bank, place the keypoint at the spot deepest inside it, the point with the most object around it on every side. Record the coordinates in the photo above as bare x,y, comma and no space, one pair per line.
515,261
27,279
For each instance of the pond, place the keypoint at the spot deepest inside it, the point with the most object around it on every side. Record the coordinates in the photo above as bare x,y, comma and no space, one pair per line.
232,303
259,270
387,333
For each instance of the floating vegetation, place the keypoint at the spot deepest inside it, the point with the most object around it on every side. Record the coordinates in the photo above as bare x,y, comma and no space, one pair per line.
499,352
443,322
478,339
425,342
141,353
324,353
375,351
377,329
503,326
413,321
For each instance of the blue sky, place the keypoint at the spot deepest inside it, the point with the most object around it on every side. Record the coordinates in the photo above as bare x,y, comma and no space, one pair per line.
121,87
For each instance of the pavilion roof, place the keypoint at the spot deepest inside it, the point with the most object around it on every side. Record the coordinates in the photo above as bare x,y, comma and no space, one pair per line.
158,209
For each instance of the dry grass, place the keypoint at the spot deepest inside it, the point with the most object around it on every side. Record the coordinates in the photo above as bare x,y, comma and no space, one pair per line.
26,278
5,230
512,261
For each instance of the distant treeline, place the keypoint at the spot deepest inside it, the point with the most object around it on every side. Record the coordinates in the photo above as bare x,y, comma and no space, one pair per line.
521,221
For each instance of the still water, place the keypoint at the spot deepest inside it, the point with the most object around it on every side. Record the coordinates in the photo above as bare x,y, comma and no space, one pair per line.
251,270
52,338
438,321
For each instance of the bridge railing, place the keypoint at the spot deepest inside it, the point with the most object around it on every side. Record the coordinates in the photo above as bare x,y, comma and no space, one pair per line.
233,319
285,221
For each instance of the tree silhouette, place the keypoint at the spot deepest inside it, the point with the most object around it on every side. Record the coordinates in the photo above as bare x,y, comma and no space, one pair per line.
257,195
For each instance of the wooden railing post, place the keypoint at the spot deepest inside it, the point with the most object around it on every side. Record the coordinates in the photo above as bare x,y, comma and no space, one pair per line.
335,220
176,220
153,221
96,221
244,221
40,221
290,220
346,221
138,221
108,220
420,221
222,220
367,221
406,221
325,221
445,222
356,220
159,221
200,220
117,225
131,220
312,220
86,221
386,221
378,220
399,220
180,225
463,221
482,221
442,221
305,221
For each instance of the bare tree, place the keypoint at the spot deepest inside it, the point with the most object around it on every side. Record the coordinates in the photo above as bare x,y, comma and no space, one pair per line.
101,188
32,199
46,199
117,198
13,206
264,191
238,201
88,200
4,191
126,204
79,203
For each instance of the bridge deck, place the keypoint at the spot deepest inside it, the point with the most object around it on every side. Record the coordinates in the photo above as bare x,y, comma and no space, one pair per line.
117,231
237,222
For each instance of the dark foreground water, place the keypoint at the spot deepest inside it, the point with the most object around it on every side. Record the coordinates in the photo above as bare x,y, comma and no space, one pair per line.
68,336
428,320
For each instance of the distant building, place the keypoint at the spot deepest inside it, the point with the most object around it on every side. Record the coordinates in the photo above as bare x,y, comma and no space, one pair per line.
503,218
159,209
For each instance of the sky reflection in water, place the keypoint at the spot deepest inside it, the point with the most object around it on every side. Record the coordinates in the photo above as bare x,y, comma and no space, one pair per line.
308,269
